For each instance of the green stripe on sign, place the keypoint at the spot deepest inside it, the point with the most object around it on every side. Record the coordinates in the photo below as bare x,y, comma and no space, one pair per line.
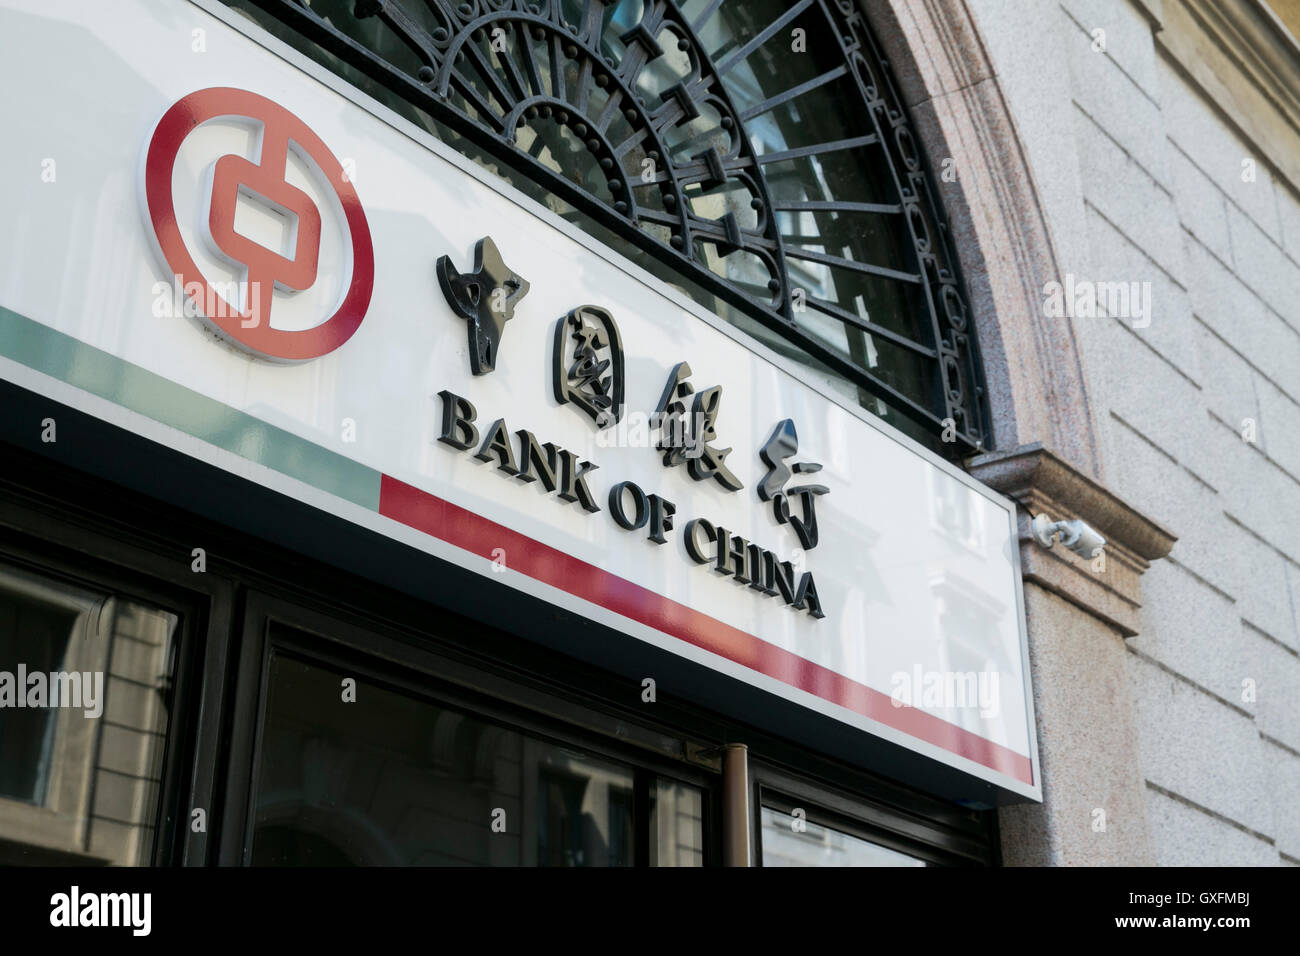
61,356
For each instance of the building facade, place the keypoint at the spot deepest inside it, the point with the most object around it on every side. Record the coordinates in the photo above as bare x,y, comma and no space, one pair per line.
1163,149
650,433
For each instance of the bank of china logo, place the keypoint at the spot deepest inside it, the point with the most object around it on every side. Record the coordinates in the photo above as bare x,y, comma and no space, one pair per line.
264,278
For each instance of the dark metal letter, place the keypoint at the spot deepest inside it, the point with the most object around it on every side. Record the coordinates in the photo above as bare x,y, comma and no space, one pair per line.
458,416
693,544
642,506
661,518
530,457
474,296
496,444
593,383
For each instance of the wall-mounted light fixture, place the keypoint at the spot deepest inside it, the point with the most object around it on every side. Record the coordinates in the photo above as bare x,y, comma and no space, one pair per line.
1075,535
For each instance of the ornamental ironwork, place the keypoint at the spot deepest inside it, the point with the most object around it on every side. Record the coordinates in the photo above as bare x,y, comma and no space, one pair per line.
692,131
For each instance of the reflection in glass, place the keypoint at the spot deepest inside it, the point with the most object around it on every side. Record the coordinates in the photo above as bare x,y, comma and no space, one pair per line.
832,160
34,634
676,825
80,775
391,779
788,841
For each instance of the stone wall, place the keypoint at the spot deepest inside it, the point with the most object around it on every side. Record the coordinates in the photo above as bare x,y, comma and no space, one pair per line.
1154,164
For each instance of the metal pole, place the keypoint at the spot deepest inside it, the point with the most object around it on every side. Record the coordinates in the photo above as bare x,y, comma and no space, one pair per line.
735,805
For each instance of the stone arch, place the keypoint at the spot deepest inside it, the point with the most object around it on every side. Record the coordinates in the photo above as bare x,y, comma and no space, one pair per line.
1032,364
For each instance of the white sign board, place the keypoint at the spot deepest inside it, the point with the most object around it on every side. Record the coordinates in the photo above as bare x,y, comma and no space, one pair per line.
313,221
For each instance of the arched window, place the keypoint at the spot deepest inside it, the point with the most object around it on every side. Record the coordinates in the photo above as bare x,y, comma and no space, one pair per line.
753,152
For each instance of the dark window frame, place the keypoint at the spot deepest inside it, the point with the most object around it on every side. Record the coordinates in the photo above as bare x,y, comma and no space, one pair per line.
65,543
889,817
384,654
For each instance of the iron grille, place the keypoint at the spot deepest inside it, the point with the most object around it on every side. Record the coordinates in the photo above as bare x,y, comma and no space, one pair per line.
645,116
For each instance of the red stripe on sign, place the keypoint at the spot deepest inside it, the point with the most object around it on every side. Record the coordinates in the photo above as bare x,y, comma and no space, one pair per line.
474,533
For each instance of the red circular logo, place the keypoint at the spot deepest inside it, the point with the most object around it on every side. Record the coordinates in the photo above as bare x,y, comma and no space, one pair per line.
266,268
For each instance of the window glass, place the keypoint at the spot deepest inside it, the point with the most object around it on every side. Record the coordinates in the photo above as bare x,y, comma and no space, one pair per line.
85,698
828,112
836,200
33,634
677,824
797,841
359,774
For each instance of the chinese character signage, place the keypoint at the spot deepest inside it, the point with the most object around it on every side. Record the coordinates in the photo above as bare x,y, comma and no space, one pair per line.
587,370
